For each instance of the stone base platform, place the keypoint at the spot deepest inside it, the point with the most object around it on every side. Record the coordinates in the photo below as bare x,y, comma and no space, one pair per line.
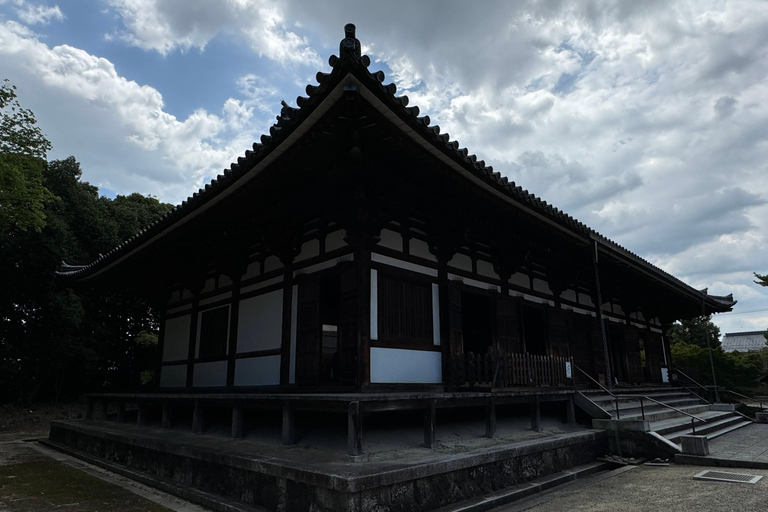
247,474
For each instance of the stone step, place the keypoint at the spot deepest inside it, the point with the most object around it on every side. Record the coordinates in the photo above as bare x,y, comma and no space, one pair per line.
669,426
712,434
633,410
668,413
524,490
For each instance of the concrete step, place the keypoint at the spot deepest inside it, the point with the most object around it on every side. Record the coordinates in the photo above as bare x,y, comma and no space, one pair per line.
713,433
665,414
524,490
634,409
669,426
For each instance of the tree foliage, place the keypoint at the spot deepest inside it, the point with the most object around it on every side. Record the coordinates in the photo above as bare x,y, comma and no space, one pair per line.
23,149
695,331
55,340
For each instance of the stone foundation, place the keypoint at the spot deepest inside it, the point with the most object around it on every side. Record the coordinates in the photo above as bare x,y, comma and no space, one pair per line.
360,487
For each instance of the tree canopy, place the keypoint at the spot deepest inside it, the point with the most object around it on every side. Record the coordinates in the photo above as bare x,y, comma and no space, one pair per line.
55,340
23,149
695,331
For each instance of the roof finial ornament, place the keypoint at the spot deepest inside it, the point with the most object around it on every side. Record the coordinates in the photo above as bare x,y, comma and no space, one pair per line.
350,44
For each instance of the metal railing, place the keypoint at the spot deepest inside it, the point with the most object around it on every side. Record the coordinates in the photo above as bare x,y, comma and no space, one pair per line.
702,386
758,399
642,405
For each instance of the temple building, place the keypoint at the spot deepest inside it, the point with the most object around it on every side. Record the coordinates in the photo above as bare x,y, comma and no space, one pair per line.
357,248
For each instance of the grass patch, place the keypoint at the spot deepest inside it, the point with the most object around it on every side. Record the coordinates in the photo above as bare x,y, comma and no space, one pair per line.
52,485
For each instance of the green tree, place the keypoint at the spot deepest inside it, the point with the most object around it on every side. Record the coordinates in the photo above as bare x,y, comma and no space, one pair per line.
23,149
695,331
56,340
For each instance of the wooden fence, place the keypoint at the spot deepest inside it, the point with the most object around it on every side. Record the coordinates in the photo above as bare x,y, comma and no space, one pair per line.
510,370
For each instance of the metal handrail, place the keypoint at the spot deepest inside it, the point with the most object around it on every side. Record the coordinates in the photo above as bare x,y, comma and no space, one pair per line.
753,398
618,417
642,406
678,370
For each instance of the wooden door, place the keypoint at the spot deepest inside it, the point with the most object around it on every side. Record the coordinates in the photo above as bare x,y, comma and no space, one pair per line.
308,333
507,325
348,328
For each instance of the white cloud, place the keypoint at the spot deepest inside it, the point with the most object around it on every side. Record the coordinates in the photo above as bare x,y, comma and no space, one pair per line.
191,150
32,14
165,26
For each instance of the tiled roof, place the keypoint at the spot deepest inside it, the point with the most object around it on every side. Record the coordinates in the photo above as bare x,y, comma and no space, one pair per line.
744,341
350,64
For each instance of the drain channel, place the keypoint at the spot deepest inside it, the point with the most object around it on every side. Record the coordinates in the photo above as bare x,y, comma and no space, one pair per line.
721,476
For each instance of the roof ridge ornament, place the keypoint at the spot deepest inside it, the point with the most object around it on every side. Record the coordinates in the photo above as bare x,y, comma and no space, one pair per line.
350,45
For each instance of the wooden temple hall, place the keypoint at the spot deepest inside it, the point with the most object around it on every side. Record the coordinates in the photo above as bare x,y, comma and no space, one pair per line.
357,257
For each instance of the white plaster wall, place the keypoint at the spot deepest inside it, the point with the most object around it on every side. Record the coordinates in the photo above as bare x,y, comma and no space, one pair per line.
209,286
272,263
253,270
391,240
461,261
569,295
335,240
585,299
257,371
224,280
541,286
174,376
210,374
176,338
520,279
394,365
309,249
420,249
260,322
175,297
485,268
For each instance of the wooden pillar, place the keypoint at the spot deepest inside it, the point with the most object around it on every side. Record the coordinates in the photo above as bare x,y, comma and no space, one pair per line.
101,412
197,418
88,408
601,317
285,345
234,315
289,424
141,417
490,418
120,411
570,411
166,420
354,430
192,336
237,421
536,415
430,424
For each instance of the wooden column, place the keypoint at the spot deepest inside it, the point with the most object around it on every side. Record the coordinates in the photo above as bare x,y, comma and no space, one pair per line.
234,318
536,415
289,424
601,317
490,418
237,421
430,424
166,420
197,418
88,408
354,430
285,345
192,336
570,411
141,417
120,411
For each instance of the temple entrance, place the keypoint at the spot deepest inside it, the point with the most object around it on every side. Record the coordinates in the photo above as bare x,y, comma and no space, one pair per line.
476,322
618,353
325,349
535,330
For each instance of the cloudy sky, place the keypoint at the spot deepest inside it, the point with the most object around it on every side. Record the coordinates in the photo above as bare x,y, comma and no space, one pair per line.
647,120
